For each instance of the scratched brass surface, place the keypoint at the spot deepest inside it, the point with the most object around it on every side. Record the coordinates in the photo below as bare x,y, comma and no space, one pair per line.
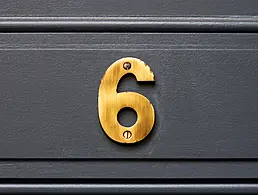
110,102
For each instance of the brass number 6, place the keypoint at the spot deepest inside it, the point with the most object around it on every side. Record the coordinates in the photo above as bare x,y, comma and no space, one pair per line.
110,102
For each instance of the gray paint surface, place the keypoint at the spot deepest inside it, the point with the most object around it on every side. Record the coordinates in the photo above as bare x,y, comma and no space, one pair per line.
205,95
130,188
102,169
222,24
82,8
129,16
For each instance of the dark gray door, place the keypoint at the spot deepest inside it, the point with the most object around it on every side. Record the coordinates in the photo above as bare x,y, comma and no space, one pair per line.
204,55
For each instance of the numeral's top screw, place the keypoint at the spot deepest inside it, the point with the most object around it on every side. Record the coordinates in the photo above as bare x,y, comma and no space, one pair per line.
127,65
127,134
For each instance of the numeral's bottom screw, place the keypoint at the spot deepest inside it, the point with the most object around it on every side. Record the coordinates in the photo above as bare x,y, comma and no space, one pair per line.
127,134
127,65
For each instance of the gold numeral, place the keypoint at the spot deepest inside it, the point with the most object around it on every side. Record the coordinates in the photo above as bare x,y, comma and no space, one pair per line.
110,102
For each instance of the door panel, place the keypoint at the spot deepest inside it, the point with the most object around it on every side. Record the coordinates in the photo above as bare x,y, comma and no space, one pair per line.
205,95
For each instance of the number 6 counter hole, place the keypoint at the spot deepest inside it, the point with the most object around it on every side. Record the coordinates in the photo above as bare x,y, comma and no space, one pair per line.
127,117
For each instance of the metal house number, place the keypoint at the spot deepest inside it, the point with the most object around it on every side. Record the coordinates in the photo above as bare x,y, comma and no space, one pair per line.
110,102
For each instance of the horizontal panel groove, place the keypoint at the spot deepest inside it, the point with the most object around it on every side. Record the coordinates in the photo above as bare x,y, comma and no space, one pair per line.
128,181
147,159
130,24
129,188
